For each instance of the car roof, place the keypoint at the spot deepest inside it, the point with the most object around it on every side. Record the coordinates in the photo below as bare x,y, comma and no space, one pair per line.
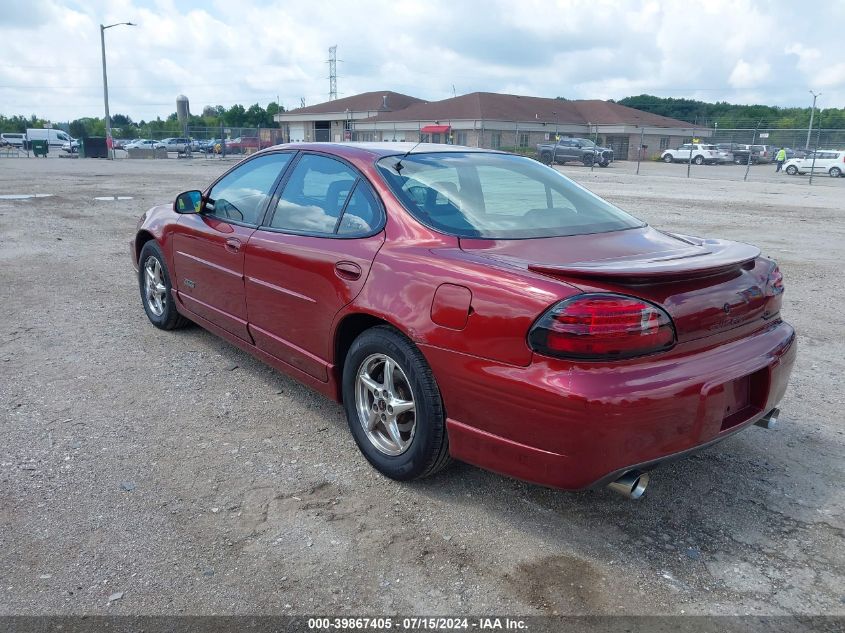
385,148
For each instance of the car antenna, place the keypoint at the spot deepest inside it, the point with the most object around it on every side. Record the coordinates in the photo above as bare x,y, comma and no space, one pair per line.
398,167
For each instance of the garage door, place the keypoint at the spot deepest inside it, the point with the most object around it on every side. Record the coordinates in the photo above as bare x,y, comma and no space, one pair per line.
297,132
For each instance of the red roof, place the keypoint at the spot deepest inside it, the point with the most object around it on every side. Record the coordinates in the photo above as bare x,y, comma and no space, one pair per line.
504,107
383,100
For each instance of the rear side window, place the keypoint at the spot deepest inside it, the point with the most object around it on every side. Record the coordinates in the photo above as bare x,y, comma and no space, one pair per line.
362,213
314,196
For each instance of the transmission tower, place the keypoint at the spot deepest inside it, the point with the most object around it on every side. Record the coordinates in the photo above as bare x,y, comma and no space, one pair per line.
333,72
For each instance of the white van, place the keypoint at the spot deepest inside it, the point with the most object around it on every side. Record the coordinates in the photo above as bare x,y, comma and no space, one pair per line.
54,138
12,138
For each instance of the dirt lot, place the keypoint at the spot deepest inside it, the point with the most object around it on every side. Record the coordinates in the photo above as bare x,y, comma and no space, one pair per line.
175,474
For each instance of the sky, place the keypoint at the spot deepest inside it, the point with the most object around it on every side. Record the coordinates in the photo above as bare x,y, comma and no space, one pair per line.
220,52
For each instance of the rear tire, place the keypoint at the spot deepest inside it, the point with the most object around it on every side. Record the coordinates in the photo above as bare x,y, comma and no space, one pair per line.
157,290
588,161
406,445
546,158
698,160
835,172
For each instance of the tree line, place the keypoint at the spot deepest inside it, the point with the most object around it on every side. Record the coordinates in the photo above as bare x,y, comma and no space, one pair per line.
123,126
726,115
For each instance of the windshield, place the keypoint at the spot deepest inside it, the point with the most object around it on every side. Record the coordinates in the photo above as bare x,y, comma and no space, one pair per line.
497,196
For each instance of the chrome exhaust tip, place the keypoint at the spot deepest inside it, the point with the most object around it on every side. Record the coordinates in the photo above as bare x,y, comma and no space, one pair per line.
770,420
631,485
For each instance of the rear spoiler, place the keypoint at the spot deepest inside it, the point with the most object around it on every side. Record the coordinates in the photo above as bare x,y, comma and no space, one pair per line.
704,258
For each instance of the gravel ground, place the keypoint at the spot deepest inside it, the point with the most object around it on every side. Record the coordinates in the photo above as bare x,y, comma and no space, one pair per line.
144,472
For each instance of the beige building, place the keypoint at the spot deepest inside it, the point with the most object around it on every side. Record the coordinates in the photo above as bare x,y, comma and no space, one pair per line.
486,119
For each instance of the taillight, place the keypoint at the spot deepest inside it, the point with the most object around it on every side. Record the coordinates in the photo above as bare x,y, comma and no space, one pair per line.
602,326
774,292
774,285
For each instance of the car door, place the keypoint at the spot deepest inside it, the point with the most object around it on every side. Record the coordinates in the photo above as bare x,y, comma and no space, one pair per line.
824,162
683,152
564,150
310,259
208,247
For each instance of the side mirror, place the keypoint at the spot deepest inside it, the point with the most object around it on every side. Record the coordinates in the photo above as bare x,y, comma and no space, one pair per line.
188,202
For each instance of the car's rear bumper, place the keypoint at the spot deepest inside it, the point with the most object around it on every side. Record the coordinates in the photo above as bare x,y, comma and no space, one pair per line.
577,425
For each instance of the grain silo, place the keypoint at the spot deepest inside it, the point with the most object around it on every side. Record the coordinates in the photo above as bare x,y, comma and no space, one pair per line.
183,111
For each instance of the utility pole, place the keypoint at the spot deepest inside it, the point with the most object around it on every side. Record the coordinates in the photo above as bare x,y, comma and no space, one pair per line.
816,95
333,72
109,150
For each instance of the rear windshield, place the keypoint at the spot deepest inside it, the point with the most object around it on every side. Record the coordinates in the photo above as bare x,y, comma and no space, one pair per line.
497,196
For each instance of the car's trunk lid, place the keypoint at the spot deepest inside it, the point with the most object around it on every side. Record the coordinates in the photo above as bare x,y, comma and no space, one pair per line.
706,286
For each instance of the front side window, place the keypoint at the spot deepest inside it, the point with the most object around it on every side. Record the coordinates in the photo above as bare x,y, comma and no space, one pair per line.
497,196
243,192
317,193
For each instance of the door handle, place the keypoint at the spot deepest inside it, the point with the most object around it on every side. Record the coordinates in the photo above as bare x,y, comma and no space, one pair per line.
233,245
348,270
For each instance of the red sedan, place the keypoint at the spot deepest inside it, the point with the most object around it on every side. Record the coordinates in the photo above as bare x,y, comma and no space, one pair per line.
474,305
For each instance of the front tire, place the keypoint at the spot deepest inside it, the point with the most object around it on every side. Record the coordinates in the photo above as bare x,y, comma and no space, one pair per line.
698,160
156,289
792,170
668,159
393,406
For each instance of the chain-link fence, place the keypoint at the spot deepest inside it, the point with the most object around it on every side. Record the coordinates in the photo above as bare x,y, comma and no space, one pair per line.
794,138
201,141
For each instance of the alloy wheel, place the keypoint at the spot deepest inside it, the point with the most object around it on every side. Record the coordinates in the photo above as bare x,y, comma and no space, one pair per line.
155,290
385,404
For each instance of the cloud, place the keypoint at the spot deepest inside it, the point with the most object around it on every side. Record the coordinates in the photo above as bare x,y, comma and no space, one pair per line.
221,52
747,75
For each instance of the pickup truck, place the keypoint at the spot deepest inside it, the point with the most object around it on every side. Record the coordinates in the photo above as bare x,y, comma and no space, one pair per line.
571,150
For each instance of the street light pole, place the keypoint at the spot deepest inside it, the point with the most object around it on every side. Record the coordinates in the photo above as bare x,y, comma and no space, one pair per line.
109,149
816,95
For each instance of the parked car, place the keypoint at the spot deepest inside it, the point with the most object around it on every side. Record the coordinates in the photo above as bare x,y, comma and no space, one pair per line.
765,153
120,143
699,152
241,144
574,150
145,144
476,305
827,161
71,147
12,138
176,144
